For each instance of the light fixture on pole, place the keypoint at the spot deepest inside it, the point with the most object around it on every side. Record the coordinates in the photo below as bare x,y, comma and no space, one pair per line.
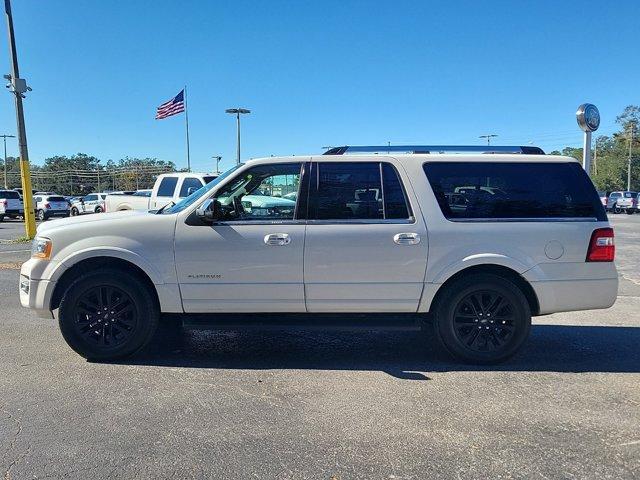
217,158
488,136
4,137
237,112
588,118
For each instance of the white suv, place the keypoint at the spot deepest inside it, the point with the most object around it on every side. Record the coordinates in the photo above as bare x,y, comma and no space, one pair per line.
92,203
50,205
475,244
10,204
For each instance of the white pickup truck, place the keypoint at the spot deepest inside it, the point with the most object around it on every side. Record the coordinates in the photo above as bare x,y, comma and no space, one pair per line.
169,187
470,246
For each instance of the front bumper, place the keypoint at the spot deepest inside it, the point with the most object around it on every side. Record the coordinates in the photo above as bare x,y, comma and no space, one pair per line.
35,293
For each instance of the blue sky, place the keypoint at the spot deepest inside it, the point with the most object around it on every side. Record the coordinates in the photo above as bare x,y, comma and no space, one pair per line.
316,73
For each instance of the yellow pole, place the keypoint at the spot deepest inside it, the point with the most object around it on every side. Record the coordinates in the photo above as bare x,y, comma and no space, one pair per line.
19,87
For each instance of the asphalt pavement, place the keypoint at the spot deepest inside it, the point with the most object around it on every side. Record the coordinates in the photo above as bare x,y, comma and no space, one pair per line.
324,405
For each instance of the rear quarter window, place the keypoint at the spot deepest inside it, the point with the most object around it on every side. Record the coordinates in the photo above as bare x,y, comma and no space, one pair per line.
9,194
513,190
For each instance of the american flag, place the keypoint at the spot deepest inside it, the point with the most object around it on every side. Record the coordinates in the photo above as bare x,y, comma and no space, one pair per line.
172,107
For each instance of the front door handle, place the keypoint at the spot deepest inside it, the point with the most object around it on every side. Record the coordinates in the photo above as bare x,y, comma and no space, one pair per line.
279,239
406,238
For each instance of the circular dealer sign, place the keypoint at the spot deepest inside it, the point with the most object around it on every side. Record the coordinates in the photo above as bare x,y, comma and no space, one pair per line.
588,117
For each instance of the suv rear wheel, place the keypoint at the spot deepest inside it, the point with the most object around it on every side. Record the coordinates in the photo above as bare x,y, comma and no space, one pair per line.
482,318
108,314
41,215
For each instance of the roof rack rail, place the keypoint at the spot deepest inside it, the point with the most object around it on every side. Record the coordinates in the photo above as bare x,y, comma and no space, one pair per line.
529,150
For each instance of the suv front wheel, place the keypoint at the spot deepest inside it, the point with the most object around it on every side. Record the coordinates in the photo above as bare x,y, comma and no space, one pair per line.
108,314
482,318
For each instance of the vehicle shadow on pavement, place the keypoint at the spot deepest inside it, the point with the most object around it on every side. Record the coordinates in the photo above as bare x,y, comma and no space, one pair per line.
404,355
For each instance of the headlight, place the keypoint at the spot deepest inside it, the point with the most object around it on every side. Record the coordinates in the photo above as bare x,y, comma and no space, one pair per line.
41,248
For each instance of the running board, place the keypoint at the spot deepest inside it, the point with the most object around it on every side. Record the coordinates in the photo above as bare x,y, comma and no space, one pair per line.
303,321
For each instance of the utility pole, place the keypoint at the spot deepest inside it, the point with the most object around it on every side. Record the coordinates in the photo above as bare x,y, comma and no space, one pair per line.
18,87
4,137
488,136
631,125
217,158
237,112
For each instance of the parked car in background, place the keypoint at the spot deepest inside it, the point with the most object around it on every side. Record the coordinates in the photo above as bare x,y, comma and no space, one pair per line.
604,197
47,206
169,187
92,203
623,201
10,204
366,234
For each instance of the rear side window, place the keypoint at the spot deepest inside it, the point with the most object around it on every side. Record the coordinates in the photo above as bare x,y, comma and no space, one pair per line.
480,190
167,186
357,191
189,182
9,194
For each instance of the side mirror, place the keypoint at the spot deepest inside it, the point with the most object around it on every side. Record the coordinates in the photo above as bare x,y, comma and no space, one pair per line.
190,190
209,211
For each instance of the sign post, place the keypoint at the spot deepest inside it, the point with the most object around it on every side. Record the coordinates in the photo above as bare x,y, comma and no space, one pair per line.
588,118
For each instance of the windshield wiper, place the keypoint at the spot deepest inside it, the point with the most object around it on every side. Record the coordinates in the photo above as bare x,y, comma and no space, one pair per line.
170,204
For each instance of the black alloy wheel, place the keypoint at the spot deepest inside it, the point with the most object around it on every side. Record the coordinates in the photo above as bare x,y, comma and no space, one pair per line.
482,318
105,316
484,321
108,313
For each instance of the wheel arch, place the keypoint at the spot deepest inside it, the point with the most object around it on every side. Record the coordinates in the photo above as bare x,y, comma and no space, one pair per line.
91,264
498,270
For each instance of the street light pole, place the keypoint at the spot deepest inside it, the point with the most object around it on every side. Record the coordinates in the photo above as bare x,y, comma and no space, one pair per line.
488,136
629,160
237,112
4,137
18,88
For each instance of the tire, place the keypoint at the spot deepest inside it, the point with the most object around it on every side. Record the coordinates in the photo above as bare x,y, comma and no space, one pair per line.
41,215
74,212
468,333
630,211
98,210
1,218
108,336
616,209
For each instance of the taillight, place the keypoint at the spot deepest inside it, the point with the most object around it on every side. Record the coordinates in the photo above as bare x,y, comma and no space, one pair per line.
602,247
47,205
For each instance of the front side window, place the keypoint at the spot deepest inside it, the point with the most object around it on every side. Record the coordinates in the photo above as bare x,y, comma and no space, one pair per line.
509,190
90,198
357,191
261,193
167,186
187,183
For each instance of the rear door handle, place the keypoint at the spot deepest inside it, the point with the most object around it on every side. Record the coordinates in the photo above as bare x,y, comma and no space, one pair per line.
278,239
406,238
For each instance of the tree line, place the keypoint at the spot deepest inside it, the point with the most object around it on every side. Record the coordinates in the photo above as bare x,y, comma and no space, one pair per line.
81,173
610,154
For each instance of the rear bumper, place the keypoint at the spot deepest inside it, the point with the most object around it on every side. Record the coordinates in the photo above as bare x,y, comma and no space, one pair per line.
569,295
57,213
13,211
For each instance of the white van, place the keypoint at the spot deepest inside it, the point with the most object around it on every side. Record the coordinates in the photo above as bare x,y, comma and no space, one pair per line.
473,243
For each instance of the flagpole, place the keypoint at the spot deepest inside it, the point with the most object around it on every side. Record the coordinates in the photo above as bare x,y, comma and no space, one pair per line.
186,119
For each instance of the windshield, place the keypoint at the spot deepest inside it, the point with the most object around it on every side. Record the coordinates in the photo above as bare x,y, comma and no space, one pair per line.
185,202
